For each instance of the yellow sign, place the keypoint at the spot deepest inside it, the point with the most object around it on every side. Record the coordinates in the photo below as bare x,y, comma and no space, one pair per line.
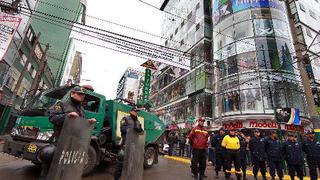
121,115
32,148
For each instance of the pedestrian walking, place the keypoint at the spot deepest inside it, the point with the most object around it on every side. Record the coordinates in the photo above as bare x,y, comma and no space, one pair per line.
127,122
243,154
274,154
171,142
71,108
182,144
232,145
292,152
219,151
211,155
259,156
311,147
199,141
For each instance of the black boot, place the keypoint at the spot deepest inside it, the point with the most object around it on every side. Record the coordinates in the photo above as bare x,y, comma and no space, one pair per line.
217,174
201,177
255,177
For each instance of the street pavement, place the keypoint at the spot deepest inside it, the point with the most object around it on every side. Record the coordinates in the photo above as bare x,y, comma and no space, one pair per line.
168,169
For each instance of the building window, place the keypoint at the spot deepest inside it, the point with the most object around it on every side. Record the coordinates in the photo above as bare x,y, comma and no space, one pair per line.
313,14
23,57
308,32
176,31
198,6
198,27
30,35
181,42
189,15
9,82
182,24
33,72
302,7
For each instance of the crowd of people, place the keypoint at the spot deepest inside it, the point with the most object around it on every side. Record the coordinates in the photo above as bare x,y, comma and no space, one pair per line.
233,148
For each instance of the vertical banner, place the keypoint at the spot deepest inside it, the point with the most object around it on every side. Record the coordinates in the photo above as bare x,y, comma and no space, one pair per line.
146,86
8,27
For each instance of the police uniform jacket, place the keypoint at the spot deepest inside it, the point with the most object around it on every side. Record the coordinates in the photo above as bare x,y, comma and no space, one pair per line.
292,153
257,148
243,147
312,150
59,112
273,149
216,143
129,122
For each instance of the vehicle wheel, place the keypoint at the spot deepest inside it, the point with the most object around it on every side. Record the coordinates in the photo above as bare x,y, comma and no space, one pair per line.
149,157
91,161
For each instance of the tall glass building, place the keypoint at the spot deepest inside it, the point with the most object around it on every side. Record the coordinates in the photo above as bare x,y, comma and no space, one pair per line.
255,69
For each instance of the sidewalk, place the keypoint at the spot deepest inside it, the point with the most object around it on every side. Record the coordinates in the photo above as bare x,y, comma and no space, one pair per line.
249,171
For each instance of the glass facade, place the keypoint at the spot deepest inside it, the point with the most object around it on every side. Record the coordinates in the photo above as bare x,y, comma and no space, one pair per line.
253,54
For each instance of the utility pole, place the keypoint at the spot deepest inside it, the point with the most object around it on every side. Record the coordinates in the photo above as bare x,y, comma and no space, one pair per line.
299,48
37,78
8,109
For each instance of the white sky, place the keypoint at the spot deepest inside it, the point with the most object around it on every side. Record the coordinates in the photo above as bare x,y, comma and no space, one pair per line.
104,67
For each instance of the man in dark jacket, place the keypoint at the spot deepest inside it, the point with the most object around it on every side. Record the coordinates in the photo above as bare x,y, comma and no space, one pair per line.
274,153
199,140
312,148
219,151
71,108
243,156
171,141
127,122
292,152
182,144
259,156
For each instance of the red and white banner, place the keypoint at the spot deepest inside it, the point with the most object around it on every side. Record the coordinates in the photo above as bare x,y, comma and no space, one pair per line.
8,27
262,124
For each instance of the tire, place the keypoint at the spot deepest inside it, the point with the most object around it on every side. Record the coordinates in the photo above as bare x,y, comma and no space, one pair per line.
91,162
149,157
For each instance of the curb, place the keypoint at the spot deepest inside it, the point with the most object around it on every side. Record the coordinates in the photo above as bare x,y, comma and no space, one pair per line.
188,161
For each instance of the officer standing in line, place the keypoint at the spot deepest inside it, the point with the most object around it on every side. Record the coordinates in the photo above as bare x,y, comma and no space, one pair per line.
199,141
259,156
232,145
292,152
219,151
274,153
312,149
71,108
127,122
243,155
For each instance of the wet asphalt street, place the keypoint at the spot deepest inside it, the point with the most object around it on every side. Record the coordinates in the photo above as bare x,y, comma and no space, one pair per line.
16,169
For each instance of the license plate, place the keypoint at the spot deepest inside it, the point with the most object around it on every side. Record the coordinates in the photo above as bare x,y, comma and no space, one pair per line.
32,148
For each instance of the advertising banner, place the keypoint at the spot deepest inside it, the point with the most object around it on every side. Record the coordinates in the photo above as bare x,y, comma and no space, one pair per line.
146,86
224,8
8,27
288,116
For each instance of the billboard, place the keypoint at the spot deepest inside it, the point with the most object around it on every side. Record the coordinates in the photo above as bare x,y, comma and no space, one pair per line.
288,116
224,8
8,27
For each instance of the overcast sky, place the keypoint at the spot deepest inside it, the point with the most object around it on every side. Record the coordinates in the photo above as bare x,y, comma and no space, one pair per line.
104,67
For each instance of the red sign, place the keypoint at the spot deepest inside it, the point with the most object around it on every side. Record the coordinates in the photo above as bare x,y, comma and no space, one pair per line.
8,28
255,124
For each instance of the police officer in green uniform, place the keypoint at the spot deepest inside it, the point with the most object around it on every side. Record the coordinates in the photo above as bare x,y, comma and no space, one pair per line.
127,122
70,108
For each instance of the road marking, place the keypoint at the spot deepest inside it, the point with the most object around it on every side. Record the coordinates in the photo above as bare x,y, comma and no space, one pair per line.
188,161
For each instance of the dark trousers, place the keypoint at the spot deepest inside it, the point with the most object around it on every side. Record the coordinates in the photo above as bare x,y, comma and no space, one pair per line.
233,156
220,162
295,168
118,170
170,149
313,166
259,165
44,170
243,163
199,156
275,165
181,150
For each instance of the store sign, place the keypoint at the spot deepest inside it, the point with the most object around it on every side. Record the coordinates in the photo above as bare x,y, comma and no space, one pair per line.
251,124
146,86
8,27
131,46
224,8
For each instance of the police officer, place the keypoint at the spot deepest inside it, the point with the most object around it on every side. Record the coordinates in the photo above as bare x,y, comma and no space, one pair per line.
259,156
293,156
199,141
71,108
312,148
232,145
243,155
127,122
274,153
219,151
